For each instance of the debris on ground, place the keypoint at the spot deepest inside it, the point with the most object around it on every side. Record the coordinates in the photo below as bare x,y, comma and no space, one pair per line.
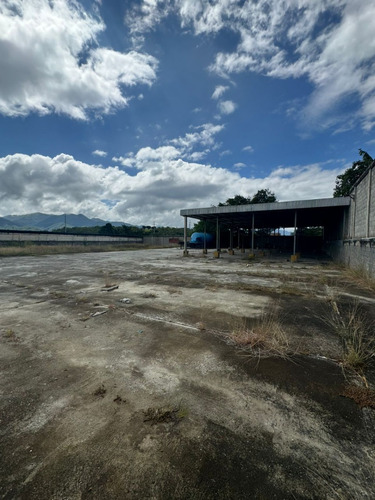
98,313
118,399
109,288
362,396
125,300
100,391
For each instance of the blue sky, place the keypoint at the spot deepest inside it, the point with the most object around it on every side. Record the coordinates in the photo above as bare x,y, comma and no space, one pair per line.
133,110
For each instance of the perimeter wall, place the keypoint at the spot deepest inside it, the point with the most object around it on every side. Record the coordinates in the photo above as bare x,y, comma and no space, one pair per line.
9,238
357,249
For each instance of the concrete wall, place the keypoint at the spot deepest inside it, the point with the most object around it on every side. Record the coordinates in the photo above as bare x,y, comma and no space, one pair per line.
361,223
357,254
162,241
11,238
357,250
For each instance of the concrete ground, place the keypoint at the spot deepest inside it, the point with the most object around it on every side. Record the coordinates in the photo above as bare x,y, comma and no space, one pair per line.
122,377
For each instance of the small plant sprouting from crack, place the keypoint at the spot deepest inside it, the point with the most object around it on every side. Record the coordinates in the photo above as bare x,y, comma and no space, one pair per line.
10,334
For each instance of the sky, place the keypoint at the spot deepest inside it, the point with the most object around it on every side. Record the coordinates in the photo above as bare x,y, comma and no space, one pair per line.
132,110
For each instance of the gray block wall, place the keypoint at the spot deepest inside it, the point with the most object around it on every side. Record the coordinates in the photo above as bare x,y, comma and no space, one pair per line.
362,208
356,254
357,250
53,238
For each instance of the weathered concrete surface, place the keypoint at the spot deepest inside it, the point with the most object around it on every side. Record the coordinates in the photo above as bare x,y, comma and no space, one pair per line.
74,388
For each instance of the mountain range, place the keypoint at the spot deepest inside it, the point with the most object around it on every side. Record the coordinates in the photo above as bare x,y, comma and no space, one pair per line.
48,222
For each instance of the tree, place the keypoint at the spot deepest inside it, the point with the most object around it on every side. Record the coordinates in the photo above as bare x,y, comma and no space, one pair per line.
346,181
107,230
263,196
236,200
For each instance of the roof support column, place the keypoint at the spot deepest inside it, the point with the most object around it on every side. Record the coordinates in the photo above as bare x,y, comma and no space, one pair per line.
230,250
205,236
217,253
186,253
252,233
294,256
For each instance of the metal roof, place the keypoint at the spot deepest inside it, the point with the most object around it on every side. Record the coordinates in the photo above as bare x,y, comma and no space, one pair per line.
320,212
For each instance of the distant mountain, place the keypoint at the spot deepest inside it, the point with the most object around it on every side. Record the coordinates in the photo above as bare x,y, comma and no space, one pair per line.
8,224
47,222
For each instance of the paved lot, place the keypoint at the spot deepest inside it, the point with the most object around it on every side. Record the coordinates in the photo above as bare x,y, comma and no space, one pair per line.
105,398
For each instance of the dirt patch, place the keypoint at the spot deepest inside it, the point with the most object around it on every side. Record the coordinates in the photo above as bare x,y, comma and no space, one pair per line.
364,397
88,401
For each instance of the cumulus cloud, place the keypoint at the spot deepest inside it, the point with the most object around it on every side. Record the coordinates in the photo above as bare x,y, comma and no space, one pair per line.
219,91
163,184
226,107
329,42
203,136
249,149
98,152
50,61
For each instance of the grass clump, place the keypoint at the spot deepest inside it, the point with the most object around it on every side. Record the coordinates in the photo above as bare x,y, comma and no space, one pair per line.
266,335
165,414
355,330
361,277
10,334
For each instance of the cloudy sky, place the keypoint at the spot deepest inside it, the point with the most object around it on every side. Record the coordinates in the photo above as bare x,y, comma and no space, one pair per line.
133,110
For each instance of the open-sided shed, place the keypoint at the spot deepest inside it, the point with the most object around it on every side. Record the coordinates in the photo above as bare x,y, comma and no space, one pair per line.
330,213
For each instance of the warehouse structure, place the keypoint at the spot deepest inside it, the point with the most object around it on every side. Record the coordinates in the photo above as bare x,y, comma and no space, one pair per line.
348,223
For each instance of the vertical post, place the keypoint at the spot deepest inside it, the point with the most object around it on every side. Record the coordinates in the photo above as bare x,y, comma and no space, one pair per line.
239,237
295,234
231,251
217,234
205,236
185,237
252,233
217,253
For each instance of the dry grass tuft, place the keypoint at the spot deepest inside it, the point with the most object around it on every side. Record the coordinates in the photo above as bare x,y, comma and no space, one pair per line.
355,330
265,336
361,277
165,414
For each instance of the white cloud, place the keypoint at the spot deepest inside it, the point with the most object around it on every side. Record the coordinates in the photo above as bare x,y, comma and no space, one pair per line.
249,149
98,152
163,184
50,61
225,152
238,166
226,107
219,91
204,136
329,42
